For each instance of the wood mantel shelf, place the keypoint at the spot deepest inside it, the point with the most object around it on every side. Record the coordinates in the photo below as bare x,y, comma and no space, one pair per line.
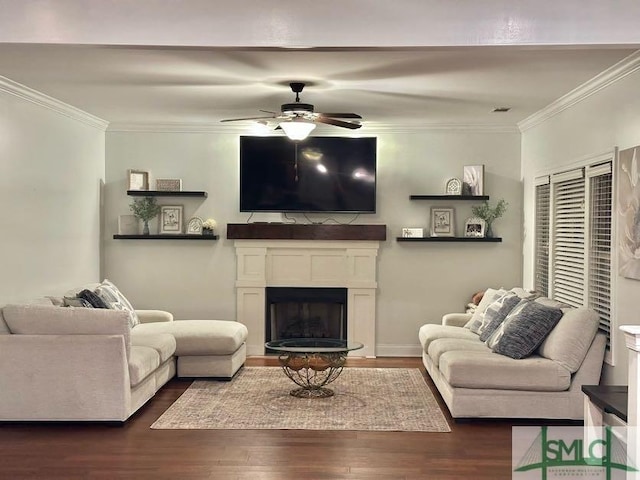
288,231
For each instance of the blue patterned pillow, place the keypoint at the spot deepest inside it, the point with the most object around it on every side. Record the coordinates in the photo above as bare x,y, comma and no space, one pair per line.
522,333
497,312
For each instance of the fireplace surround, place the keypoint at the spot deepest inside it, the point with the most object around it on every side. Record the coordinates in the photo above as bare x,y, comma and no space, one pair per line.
349,264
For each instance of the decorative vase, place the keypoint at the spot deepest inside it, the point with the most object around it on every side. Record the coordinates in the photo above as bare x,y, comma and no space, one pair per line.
489,231
145,229
207,231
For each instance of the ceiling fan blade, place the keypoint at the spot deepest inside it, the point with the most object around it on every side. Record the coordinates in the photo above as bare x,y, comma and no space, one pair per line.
338,123
247,118
340,115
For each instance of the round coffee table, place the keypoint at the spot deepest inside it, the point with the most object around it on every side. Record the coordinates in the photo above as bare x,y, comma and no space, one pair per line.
312,363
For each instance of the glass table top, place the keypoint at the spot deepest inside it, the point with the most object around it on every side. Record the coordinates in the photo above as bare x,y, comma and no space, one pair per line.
313,345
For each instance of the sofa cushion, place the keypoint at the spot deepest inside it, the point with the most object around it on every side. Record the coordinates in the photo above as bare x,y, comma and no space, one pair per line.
143,361
524,330
115,300
486,370
496,313
201,337
50,320
441,345
4,328
163,343
571,338
432,331
490,296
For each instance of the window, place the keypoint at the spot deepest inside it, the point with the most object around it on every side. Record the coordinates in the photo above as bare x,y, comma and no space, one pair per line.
573,239
599,281
567,230
542,202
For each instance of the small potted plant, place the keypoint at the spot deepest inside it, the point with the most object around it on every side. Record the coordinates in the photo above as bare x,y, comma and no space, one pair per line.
145,208
489,214
208,226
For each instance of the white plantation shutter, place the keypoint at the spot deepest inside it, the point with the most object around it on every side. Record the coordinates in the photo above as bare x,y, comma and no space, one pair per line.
600,211
542,218
577,211
568,237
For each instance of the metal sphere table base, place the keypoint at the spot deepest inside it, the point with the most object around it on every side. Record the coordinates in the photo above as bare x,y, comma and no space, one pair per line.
312,372
304,392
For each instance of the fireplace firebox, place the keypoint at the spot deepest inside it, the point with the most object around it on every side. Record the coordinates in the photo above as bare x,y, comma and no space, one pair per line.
305,313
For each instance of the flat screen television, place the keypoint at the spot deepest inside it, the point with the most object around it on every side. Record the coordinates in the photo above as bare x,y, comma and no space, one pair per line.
320,174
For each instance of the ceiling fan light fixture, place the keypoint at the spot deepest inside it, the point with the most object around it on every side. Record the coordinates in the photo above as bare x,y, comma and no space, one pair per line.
297,128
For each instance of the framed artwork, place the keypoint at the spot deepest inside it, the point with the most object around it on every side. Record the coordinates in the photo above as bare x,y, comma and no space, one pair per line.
442,222
169,184
171,219
628,216
138,180
194,226
474,227
473,180
412,232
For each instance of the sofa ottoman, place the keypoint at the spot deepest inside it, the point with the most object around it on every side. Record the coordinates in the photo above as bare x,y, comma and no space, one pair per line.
204,348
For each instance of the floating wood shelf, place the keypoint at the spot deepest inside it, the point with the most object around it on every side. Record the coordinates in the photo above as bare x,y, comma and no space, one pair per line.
287,231
450,239
163,193
449,197
166,237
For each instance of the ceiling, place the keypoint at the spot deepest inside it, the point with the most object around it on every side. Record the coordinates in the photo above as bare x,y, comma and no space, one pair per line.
409,87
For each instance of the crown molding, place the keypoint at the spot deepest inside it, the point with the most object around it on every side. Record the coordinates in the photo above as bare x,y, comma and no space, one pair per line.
366,129
25,93
624,67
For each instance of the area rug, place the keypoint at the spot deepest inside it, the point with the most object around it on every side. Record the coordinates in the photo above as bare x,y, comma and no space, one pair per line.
379,399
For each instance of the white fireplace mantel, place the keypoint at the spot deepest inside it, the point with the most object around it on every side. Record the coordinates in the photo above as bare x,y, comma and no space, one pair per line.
308,263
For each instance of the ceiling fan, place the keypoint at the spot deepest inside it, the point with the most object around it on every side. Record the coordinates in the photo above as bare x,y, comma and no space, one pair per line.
299,119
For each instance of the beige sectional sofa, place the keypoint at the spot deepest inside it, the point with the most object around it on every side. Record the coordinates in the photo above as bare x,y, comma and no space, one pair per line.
476,382
60,363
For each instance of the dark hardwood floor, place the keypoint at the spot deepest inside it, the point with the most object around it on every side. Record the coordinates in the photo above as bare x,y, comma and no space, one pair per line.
478,450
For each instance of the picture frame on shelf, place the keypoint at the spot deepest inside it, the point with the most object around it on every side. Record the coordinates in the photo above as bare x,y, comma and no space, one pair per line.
453,187
194,226
412,232
474,227
473,180
137,180
169,184
443,222
171,219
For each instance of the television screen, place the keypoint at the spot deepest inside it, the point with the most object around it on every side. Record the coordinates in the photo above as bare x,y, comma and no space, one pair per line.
320,174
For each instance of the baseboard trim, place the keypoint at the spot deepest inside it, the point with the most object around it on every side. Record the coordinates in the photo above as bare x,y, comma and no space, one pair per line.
390,350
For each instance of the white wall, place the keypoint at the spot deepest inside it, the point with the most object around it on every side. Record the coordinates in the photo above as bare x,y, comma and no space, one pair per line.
418,283
610,117
51,169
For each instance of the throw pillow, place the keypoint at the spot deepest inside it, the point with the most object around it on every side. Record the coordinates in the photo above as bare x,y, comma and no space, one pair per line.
490,296
522,332
115,300
496,313
92,298
76,302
